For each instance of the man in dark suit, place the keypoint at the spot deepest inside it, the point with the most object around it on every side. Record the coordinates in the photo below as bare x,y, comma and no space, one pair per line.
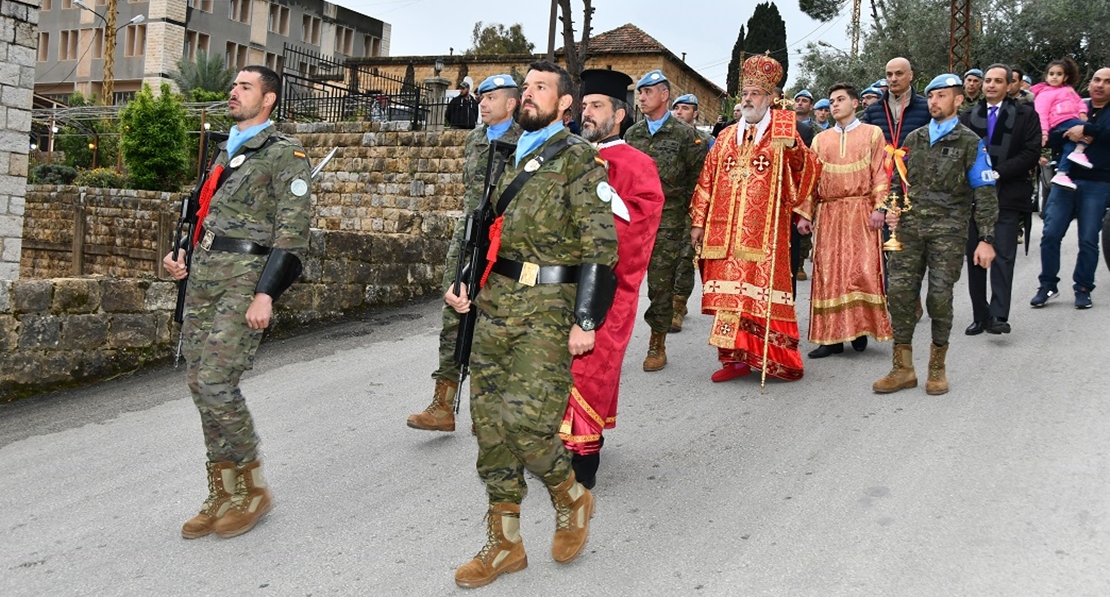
1011,131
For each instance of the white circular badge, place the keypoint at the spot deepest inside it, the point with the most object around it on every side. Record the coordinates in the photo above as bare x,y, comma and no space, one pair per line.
237,161
605,192
298,187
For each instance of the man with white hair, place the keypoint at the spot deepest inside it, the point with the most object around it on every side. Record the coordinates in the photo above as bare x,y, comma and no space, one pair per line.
757,179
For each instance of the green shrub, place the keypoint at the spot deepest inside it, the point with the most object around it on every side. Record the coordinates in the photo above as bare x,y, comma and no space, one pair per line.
104,178
154,141
52,174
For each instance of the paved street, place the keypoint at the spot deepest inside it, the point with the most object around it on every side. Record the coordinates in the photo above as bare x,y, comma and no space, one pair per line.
817,487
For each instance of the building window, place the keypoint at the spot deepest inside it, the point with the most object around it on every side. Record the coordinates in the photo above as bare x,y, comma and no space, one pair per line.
201,5
275,62
45,7
372,46
67,45
97,46
310,30
44,46
135,41
344,40
236,55
279,19
67,4
239,10
195,42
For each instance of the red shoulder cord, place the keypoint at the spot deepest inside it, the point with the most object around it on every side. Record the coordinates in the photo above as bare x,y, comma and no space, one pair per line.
206,193
494,247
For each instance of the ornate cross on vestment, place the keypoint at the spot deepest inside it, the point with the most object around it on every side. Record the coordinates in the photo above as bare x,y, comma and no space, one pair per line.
761,163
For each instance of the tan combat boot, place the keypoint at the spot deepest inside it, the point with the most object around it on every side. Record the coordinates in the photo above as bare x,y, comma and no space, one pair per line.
574,506
440,414
657,352
679,313
503,553
251,501
221,486
937,383
902,375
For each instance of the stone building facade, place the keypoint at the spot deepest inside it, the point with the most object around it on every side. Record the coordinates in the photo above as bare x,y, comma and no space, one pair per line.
627,49
18,38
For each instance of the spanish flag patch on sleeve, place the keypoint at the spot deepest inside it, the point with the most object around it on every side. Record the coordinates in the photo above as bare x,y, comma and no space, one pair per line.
600,162
298,153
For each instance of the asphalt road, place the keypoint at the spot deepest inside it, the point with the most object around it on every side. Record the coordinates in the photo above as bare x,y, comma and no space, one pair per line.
816,487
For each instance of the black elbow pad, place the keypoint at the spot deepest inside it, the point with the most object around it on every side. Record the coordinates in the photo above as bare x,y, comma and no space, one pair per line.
282,269
596,286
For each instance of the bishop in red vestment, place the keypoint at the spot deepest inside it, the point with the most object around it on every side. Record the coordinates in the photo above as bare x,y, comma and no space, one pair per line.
636,196
757,181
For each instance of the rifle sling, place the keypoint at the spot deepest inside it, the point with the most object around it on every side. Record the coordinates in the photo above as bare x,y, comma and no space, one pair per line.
246,156
514,187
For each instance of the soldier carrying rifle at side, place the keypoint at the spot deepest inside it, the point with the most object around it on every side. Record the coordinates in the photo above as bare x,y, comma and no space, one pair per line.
500,98
252,233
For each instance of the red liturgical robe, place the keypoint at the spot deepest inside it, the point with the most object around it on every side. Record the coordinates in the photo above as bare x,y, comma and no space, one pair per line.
597,374
744,201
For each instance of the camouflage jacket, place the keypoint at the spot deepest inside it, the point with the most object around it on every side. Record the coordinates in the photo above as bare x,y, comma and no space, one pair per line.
266,199
679,153
559,217
940,190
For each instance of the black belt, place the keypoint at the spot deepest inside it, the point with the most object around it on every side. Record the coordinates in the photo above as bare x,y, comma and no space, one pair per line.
211,242
531,274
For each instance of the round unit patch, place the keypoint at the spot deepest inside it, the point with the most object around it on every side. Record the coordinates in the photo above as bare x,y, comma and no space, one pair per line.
298,187
237,161
605,192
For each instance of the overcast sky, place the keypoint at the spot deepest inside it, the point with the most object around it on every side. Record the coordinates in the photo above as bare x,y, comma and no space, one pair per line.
423,27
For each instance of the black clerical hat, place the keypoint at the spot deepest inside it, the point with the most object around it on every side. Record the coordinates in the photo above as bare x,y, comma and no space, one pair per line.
607,82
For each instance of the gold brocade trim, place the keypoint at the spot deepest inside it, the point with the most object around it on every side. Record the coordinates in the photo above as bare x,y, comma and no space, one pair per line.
578,439
589,410
861,164
753,292
871,333
851,297
749,254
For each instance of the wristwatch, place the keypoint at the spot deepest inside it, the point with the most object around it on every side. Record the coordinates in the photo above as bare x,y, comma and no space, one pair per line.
988,238
587,324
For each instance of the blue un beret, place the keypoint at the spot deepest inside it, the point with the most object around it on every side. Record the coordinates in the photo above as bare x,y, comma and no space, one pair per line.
974,73
496,82
880,84
654,77
804,93
943,82
689,98
1027,79
870,91
822,104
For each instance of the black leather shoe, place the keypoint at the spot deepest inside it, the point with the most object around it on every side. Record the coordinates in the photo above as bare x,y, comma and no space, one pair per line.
825,350
859,344
975,328
997,326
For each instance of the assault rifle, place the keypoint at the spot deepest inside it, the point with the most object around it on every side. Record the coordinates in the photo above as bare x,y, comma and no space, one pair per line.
471,263
187,223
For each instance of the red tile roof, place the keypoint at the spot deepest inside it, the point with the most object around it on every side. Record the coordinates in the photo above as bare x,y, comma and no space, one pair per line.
626,39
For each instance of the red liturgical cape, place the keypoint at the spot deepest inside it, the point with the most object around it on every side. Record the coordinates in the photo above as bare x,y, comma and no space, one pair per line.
745,252
597,374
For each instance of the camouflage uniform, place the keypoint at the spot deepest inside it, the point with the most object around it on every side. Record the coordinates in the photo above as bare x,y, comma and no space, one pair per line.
476,154
679,153
520,363
259,202
684,273
934,231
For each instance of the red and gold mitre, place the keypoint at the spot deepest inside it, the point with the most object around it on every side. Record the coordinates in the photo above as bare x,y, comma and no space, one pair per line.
763,72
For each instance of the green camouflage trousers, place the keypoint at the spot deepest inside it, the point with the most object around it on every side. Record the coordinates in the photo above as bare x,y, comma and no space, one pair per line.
218,347
448,370
942,253
670,249
519,387
684,269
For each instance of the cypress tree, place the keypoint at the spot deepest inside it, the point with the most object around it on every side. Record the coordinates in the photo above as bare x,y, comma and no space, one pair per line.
767,33
732,79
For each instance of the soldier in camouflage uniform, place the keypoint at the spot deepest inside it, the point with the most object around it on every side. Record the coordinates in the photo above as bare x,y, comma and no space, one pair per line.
548,289
253,232
685,108
949,177
679,154
500,98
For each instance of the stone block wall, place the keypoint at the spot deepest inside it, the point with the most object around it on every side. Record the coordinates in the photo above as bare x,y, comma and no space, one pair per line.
66,331
18,40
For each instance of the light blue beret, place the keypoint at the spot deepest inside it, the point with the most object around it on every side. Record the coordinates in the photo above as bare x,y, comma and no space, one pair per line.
689,98
654,77
880,84
870,91
943,82
496,82
804,93
974,73
822,104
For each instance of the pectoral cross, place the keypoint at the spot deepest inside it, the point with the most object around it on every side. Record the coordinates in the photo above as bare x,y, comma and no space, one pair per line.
736,174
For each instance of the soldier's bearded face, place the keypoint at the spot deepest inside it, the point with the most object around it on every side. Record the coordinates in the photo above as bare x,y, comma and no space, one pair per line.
246,99
599,120
943,103
540,102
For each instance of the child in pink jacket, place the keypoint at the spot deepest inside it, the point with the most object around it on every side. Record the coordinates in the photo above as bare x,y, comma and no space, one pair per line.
1060,107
